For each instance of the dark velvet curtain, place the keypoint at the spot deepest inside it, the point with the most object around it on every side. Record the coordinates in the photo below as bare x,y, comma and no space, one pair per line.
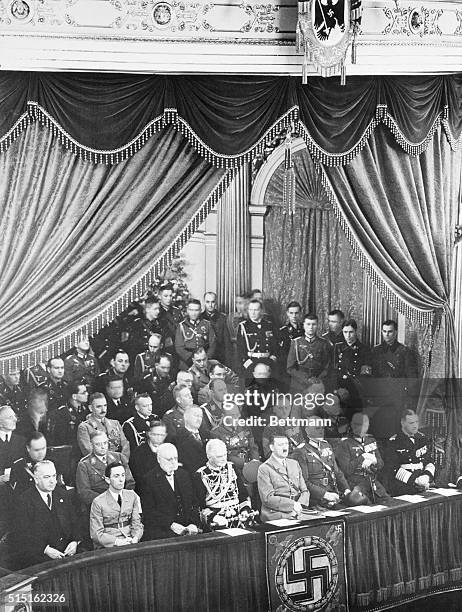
306,255
76,236
229,115
401,211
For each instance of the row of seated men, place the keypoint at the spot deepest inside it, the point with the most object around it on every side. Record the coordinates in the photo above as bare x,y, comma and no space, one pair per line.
191,473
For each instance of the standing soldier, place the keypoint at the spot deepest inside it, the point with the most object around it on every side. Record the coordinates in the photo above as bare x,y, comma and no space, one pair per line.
13,392
408,458
170,315
159,384
256,340
144,362
81,364
193,333
293,329
57,388
223,350
143,327
309,356
234,319
335,320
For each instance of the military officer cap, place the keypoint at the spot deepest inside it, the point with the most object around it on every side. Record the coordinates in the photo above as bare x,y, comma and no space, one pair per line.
166,287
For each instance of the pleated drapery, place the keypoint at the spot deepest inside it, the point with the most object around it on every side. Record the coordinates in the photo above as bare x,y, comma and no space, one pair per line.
76,236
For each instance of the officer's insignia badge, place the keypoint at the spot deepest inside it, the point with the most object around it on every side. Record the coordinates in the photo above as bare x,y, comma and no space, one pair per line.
307,573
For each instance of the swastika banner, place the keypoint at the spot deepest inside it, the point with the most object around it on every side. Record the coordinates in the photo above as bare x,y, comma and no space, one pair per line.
305,568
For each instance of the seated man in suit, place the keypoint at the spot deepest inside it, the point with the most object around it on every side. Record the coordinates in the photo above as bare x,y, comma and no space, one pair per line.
144,457
118,407
97,421
167,499
46,523
219,489
115,515
90,476
282,489
191,439
11,448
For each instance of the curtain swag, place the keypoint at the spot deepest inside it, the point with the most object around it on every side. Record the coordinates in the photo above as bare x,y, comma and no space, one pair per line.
228,120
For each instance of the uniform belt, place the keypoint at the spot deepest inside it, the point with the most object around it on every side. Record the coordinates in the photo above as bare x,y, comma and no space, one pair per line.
119,524
322,481
412,466
258,355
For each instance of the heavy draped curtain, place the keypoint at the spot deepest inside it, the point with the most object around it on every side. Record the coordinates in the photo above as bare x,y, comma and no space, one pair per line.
399,212
308,249
76,236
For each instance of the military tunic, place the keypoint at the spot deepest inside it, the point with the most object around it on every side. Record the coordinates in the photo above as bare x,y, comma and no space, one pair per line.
349,455
159,389
35,376
144,364
256,342
113,429
320,470
393,361
407,458
140,331
220,491
333,338
135,429
223,350
15,396
90,480
191,335
239,443
307,359
170,317
81,368
109,521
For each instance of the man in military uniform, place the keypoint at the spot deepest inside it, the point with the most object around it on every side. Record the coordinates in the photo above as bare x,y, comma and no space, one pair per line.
394,380
334,334
143,459
90,477
174,418
159,384
57,388
309,356
256,340
351,360
408,458
65,420
282,488
288,332
204,370
136,427
13,392
234,319
97,421
170,315
144,362
34,376
288,416
221,494
359,459
325,481
213,409
193,333
142,328
81,364
118,368
223,351
239,441
115,516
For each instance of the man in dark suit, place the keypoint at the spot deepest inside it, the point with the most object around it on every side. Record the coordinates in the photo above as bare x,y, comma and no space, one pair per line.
144,457
167,499
12,447
118,407
46,523
191,439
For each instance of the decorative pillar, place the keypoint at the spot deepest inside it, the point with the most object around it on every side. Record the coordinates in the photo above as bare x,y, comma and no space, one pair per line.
233,241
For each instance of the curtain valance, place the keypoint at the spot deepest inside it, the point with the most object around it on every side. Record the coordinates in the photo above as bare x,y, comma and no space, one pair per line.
227,119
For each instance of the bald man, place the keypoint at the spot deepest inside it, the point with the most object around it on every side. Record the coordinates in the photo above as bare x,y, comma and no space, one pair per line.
222,496
167,498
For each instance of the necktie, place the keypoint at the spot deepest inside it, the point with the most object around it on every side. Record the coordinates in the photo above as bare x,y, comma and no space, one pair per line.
119,500
49,500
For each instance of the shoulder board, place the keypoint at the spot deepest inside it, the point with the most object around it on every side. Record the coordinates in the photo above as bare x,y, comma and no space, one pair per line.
242,323
85,457
324,334
18,460
169,412
343,439
130,420
201,469
393,437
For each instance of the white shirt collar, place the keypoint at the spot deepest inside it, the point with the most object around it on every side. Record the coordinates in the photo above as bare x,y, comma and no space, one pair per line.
115,495
44,495
5,435
171,479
